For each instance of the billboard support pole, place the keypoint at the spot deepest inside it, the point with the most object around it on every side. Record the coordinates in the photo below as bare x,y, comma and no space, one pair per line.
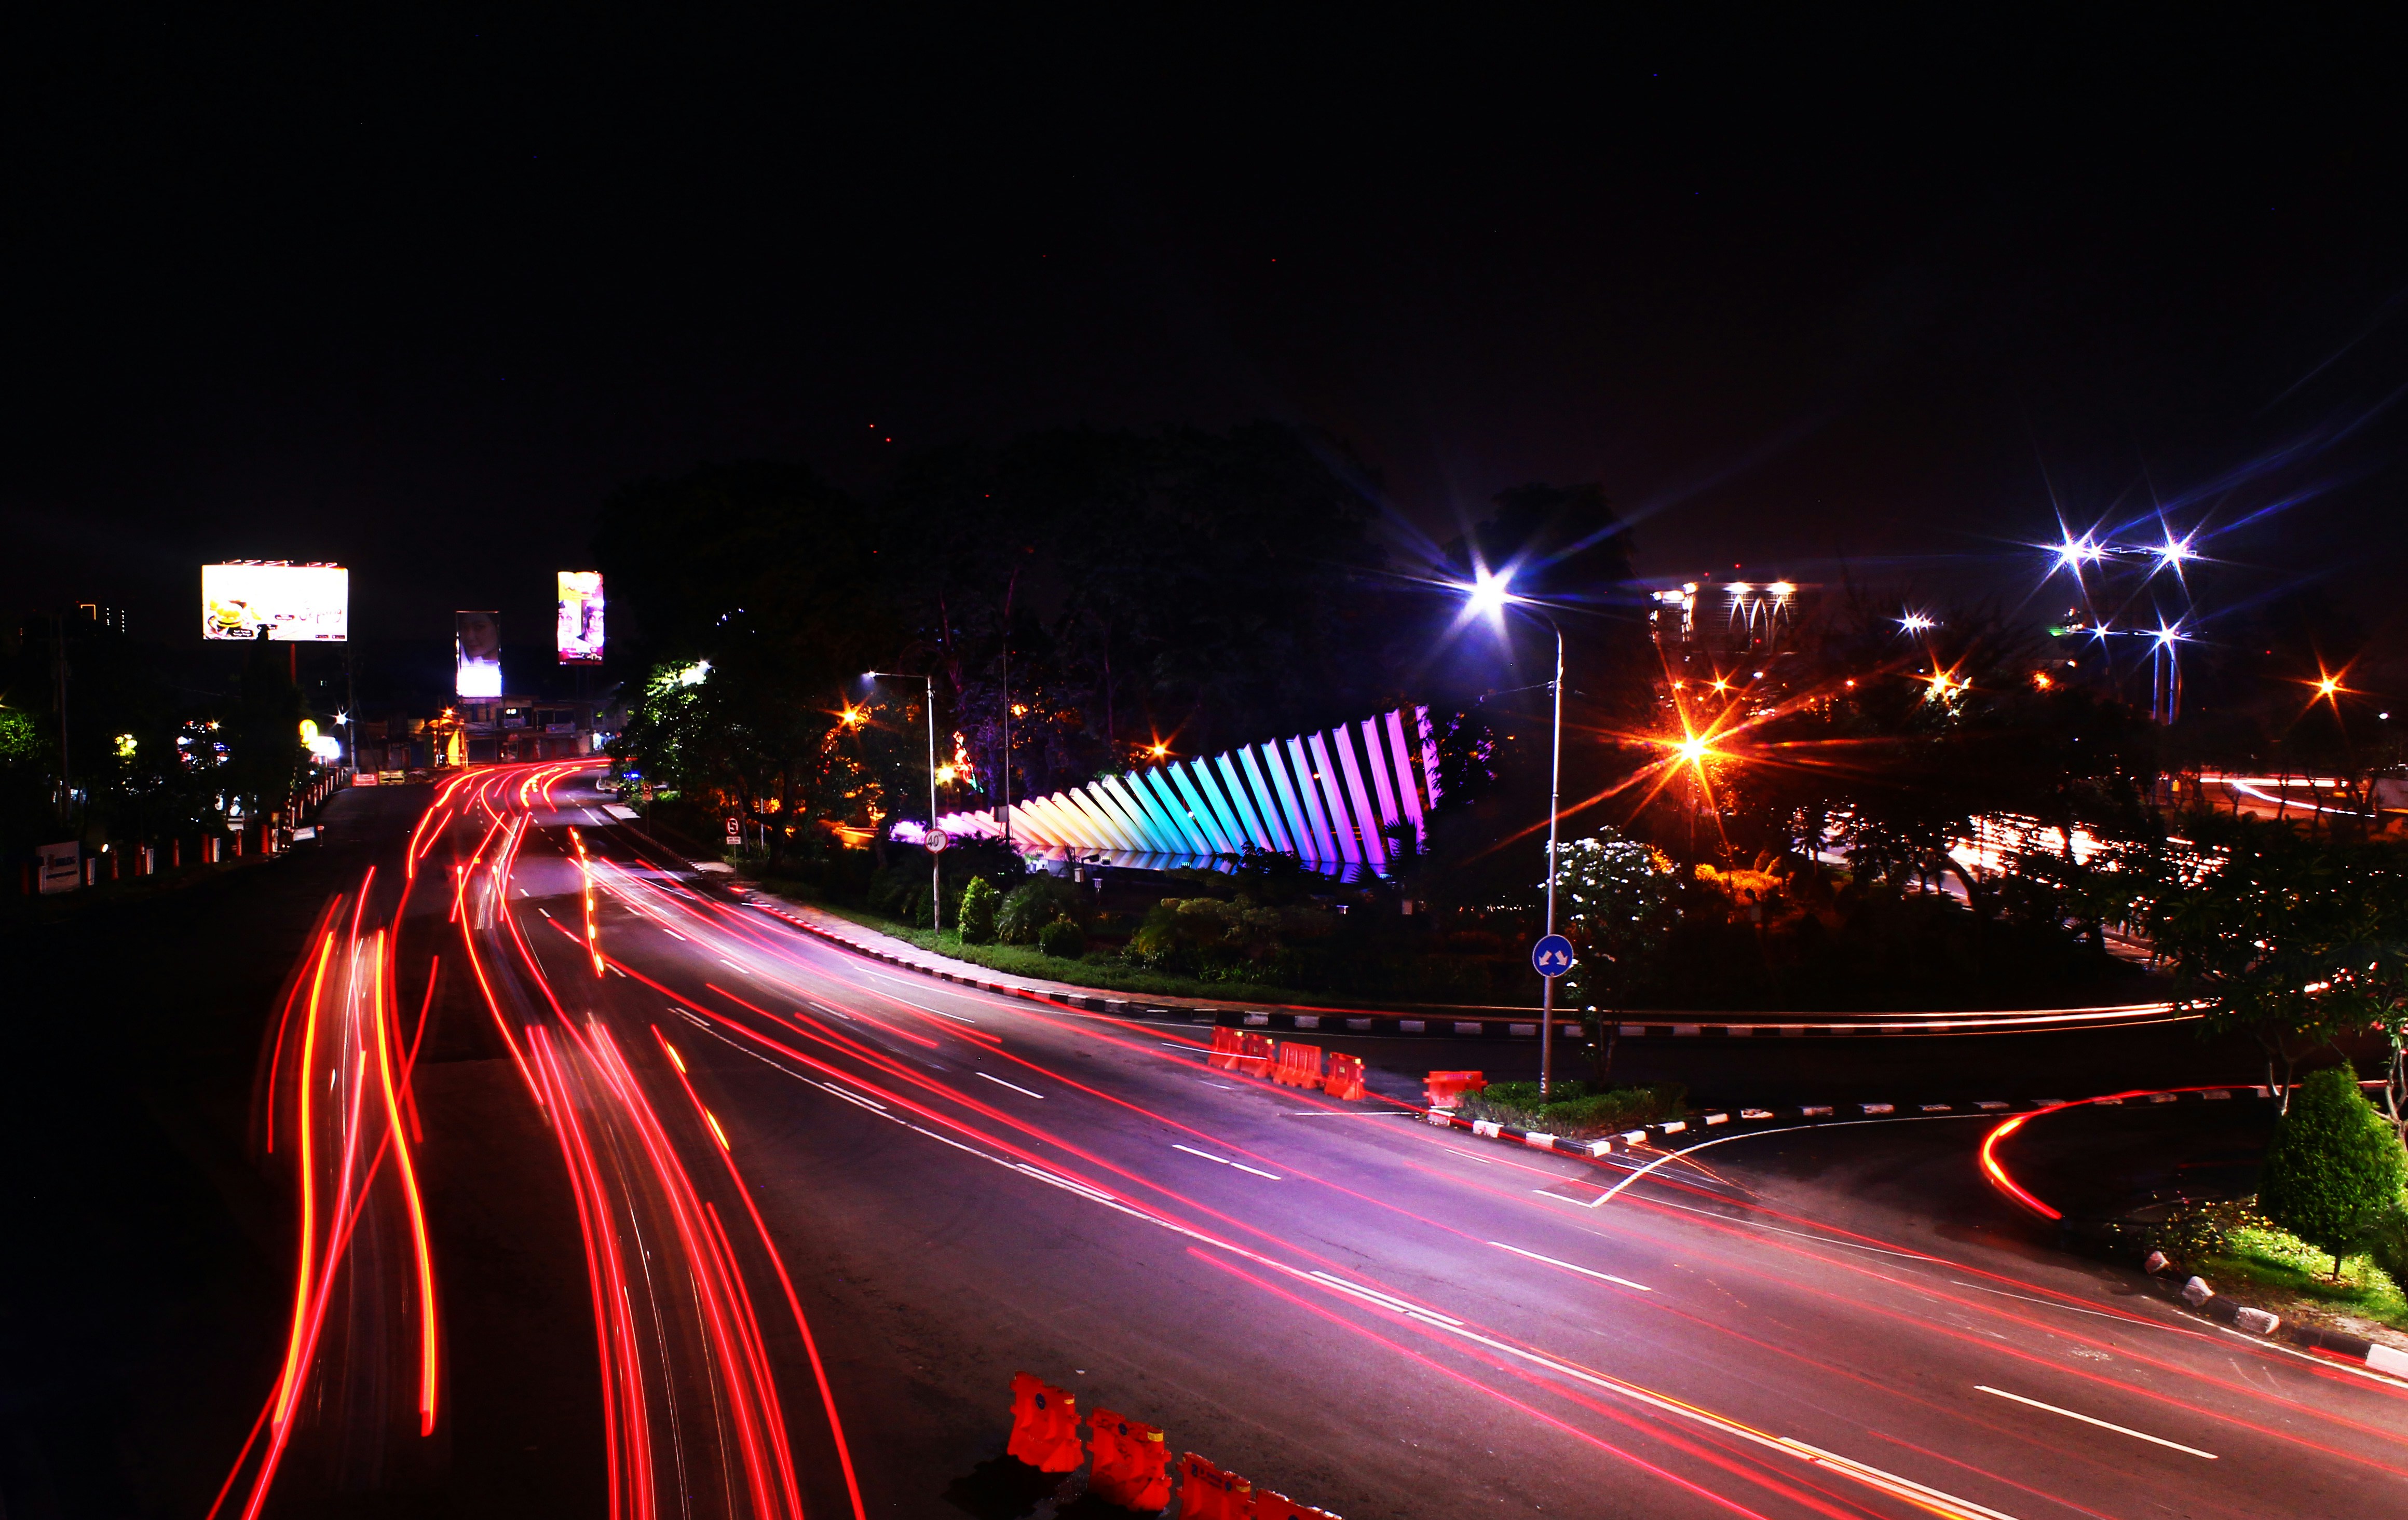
67,776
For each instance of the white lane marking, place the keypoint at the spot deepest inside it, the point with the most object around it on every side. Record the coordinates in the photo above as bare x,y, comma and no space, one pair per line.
731,964
959,1018
1013,1086
1605,1277
1921,1495
615,972
1550,1193
2119,1429
673,934
545,914
850,1095
1224,1087
1224,1161
1759,1134
1385,1300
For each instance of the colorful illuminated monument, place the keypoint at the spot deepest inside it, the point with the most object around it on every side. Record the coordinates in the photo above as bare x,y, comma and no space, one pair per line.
1328,798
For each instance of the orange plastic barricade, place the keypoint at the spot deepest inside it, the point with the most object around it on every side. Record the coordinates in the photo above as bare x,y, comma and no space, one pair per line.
1257,1056
1299,1066
1207,1493
1132,1465
1271,1506
1446,1088
1226,1045
1044,1426
1344,1078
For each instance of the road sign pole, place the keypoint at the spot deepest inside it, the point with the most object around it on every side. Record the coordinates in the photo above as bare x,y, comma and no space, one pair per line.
1554,810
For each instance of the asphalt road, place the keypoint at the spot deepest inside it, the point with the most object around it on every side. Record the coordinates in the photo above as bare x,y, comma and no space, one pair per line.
721,1219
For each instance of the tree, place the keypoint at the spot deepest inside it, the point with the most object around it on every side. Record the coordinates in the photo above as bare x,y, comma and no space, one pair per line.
2296,941
2334,1167
1613,895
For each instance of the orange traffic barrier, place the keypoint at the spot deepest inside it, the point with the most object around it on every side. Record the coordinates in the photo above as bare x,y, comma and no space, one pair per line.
1044,1426
1132,1465
1344,1078
1271,1506
1299,1066
1207,1493
1257,1056
1226,1045
1446,1088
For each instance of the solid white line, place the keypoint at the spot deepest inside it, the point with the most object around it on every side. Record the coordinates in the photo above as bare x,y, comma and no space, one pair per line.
1013,1086
1606,1277
730,965
1226,1161
1786,1129
2119,1429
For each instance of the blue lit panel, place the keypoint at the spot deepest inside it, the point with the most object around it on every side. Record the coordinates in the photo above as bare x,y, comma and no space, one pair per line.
1284,836
1237,790
1200,813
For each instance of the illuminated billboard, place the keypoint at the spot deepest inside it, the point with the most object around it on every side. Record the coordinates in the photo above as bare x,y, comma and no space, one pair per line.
477,642
276,599
579,635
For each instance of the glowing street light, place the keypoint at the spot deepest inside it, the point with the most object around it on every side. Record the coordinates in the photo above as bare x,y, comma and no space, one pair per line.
1915,621
1489,595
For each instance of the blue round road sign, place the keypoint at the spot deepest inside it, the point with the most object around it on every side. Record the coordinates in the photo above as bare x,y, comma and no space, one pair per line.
1551,955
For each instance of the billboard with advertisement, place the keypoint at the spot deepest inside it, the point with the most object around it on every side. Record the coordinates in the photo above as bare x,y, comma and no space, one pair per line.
276,599
477,645
579,635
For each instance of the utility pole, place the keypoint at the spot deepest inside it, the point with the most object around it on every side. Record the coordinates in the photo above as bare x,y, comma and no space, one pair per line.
59,666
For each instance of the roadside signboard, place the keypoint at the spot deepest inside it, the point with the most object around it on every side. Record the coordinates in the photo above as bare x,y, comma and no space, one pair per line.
1551,956
62,867
734,833
935,841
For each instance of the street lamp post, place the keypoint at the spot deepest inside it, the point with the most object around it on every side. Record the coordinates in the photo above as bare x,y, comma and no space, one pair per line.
1489,595
936,864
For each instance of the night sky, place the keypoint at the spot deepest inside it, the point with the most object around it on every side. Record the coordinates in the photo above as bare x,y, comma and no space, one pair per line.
415,297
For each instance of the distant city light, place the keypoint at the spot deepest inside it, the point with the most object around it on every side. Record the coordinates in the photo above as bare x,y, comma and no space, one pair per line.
1914,622
2173,551
1693,748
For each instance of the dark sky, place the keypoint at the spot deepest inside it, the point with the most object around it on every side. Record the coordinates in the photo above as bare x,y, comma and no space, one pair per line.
414,294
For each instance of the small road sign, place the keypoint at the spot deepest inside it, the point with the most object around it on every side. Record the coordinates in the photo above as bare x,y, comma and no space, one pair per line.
1552,955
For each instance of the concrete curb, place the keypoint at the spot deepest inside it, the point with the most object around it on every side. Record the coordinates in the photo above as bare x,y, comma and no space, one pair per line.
2258,1321
1435,1025
1698,1124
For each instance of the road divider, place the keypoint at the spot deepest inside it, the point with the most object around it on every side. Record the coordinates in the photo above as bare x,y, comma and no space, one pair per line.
1344,1077
1129,1462
1299,1066
1044,1426
1132,1466
1445,1089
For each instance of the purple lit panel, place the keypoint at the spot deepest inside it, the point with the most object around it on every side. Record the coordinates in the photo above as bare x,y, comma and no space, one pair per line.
1340,826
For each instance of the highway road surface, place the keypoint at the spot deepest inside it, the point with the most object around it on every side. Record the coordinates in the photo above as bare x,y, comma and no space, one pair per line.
612,1189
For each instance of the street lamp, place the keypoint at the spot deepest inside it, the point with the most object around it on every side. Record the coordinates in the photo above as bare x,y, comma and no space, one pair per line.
936,864
1490,594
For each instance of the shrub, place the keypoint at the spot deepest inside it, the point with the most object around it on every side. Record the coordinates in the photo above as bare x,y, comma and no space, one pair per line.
2334,1167
1063,940
980,901
1031,906
2387,1243
1580,1114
